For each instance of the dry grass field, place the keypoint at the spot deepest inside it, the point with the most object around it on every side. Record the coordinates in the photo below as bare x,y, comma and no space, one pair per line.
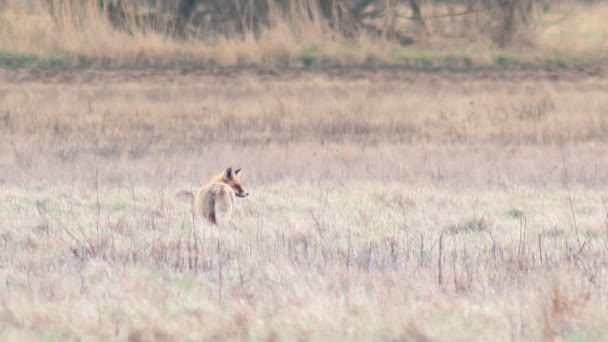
384,204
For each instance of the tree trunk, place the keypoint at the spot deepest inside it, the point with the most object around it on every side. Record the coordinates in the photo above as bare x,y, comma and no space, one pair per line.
416,14
507,30
184,13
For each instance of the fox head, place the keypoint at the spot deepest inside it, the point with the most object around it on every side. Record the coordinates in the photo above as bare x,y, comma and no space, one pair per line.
234,181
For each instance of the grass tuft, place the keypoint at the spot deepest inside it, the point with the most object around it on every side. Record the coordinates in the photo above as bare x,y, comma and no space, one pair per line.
10,59
469,226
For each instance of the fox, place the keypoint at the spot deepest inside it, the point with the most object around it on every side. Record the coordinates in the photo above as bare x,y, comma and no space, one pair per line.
215,200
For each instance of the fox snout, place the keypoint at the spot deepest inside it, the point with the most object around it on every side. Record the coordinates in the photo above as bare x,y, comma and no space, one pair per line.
239,191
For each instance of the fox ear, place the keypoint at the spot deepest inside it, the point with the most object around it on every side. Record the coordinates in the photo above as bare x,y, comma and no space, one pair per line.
229,174
237,171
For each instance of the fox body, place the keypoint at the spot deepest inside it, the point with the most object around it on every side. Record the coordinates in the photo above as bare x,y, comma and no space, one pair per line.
215,200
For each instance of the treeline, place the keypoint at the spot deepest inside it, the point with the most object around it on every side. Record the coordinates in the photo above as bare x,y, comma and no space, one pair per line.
499,19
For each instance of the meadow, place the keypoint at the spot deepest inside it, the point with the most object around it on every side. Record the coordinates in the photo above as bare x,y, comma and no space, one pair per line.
385,204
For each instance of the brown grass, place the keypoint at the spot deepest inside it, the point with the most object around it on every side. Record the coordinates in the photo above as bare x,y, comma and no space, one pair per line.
81,35
353,180
369,108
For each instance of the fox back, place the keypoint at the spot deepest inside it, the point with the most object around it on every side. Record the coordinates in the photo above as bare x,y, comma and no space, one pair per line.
215,200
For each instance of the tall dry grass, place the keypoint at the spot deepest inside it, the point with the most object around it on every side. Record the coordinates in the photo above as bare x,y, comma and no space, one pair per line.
80,33
342,126
113,110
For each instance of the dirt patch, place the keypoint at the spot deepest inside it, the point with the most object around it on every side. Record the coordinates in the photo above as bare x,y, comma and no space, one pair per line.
398,73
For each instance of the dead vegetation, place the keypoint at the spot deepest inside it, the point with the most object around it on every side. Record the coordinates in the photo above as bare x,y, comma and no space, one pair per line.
454,34
185,113
457,226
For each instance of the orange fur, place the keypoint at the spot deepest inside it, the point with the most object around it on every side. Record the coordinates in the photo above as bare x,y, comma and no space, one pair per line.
215,200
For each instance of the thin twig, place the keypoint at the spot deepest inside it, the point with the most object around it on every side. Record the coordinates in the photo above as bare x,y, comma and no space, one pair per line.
97,201
540,248
439,261
566,180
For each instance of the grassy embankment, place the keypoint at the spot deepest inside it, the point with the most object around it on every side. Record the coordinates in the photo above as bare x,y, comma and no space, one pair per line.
81,36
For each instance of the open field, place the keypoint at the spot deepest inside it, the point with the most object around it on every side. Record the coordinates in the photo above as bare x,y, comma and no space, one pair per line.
385,204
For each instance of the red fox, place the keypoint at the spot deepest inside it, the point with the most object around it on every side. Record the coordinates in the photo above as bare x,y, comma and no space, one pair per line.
215,200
